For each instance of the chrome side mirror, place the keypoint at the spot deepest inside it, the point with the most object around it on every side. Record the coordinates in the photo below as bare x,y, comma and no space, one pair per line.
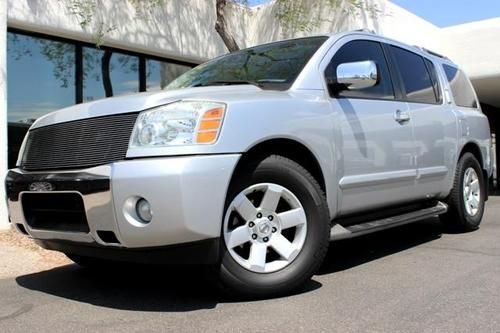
357,75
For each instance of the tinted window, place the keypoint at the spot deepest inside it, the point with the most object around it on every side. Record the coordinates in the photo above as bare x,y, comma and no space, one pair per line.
107,73
41,77
417,82
361,50
460,87
435,81
273,66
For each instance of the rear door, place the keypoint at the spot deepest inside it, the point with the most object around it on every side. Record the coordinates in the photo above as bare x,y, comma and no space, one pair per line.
375,162
434,122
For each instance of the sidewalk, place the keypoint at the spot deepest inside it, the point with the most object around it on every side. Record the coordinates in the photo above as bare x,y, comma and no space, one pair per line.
20,256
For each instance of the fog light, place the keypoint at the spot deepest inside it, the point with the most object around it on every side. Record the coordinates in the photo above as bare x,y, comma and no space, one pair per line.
143,209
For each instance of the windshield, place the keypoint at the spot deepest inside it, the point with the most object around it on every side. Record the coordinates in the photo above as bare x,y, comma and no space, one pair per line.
271,66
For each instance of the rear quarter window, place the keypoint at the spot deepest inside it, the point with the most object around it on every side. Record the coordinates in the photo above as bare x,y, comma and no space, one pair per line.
460,87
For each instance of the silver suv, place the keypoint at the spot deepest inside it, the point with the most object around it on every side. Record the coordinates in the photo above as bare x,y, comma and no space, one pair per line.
254,161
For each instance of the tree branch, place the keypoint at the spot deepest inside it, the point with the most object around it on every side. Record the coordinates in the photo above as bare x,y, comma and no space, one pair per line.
221,27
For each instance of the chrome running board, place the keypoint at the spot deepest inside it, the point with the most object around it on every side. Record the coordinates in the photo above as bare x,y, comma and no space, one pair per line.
339,232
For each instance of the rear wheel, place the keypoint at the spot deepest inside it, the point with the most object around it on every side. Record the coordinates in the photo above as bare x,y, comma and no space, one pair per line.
275,231
466,200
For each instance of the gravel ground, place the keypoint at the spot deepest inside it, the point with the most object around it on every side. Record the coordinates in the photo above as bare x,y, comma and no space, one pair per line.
20,255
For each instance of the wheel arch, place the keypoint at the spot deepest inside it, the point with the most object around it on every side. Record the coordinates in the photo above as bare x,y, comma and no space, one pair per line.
288,148
474,149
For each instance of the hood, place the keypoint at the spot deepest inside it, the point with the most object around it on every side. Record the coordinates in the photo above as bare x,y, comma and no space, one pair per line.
143,101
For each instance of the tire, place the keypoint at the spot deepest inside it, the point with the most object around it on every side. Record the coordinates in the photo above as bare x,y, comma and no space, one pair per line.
276,174
461,216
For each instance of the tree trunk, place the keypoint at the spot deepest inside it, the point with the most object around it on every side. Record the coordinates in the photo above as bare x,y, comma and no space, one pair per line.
106,75
221,27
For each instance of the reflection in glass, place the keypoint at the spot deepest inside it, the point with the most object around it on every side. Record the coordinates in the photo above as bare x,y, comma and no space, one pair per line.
271,66
159,74
41,77
107,73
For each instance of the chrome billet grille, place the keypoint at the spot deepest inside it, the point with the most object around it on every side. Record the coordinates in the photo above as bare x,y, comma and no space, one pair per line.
78,144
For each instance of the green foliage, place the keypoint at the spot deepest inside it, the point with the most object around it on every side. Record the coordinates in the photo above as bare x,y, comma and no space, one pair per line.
294,15
144,8
307,15
84,10
86,13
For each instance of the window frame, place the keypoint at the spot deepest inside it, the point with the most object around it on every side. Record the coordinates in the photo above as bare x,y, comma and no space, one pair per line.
439,101
79,45
394,80
439,89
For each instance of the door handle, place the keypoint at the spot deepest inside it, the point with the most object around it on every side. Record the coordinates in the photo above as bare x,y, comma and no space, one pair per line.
401,116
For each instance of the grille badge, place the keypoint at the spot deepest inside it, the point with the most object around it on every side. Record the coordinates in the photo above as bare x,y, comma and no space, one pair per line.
41,186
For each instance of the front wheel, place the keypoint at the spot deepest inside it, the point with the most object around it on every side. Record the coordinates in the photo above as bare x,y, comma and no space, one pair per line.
275,231
467,198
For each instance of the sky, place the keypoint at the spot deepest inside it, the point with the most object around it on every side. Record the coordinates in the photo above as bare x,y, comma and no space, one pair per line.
444,13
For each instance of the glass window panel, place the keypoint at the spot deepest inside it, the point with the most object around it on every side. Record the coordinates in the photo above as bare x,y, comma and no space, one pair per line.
460,87
271,66
107,73
41,77
159,73
416,79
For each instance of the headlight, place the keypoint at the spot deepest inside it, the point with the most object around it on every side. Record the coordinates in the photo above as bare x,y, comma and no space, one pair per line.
179,123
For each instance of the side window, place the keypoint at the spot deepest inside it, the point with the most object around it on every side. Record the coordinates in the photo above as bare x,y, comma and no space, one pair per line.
435,81
417,82
362,50
460,87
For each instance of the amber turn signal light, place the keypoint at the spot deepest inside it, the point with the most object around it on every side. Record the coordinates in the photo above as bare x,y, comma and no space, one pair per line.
210,125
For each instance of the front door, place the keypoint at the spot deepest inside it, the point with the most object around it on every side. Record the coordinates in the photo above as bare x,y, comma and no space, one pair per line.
375,162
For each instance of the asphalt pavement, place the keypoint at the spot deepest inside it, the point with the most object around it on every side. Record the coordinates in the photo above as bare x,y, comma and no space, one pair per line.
416,278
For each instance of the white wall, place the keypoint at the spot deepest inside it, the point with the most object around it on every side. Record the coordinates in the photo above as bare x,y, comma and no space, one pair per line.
3,111
180,29
391,21
185,29
475,48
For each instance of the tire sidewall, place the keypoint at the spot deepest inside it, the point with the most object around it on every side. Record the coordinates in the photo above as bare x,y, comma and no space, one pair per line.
281,172
469,161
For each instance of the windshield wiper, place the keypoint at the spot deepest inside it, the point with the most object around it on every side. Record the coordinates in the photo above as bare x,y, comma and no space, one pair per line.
226,83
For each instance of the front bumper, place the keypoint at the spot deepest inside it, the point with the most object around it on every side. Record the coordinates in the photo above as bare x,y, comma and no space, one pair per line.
187,196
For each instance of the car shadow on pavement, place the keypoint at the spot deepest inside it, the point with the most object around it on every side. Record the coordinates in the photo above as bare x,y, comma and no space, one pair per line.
185,288
136,287
346,254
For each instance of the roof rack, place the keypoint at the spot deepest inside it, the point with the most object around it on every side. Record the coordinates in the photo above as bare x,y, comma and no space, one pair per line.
432,52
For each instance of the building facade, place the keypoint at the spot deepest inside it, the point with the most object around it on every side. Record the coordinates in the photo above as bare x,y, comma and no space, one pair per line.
49,61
